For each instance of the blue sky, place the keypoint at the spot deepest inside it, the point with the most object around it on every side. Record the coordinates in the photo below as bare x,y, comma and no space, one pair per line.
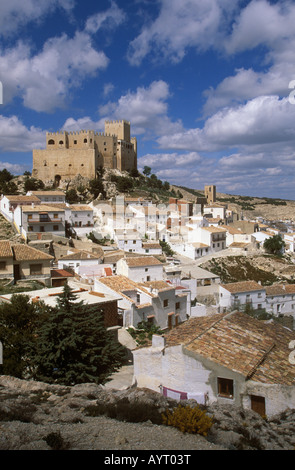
205,84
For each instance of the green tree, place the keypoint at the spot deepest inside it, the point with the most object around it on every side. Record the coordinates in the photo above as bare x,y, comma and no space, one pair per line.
147,170
96,187
18,321
73,345
72,196
274,245
33,184
5,176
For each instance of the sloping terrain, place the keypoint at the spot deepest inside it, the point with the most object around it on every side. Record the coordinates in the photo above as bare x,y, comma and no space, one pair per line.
263,268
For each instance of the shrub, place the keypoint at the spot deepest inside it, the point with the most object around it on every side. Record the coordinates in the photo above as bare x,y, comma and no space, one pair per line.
188,419
55,441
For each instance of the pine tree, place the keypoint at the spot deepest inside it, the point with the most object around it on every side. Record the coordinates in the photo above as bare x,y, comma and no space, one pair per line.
74,346
18,320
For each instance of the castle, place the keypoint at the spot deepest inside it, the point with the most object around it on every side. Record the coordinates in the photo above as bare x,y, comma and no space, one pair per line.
69,154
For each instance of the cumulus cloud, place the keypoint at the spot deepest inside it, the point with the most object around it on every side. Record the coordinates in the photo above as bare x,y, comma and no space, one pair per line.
146,108
263,120
73,125
179,25
110,18
44,81
17,13
261,22
16,137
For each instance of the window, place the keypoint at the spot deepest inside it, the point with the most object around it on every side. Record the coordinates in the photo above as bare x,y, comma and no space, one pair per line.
166,302
146,269
225,387
35,269
55,216
177,305
55,228
2,265
138,298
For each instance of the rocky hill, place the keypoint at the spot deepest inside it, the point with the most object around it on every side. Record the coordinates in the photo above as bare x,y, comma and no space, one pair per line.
38,416
259,267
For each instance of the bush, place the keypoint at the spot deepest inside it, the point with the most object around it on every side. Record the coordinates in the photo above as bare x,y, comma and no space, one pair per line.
188,419
55,441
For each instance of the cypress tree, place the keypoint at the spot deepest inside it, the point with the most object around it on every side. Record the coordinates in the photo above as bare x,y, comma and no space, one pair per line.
18,320
74,346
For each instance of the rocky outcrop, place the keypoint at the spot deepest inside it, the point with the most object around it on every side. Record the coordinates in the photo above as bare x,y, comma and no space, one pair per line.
35,415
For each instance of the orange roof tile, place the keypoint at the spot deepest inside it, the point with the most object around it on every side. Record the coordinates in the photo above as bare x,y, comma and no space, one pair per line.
257,350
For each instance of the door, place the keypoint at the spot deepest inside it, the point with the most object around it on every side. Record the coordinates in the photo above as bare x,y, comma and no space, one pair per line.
16,272
258,404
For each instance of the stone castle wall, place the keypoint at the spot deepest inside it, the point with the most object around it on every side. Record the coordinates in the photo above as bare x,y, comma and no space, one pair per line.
69,154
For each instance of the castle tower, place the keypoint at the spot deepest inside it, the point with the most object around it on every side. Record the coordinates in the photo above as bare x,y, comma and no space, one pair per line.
210,193
69,154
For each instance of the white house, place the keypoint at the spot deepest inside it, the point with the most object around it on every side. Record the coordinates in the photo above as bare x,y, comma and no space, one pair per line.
48,197
141,268
77,258
8,204
237,294
231,359
40,219
280,299
216,211
289,239
156,302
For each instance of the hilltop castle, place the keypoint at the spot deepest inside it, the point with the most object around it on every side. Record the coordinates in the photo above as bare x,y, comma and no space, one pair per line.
69,154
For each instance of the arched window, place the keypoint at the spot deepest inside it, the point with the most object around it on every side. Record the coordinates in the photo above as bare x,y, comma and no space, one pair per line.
51,142
61,142
85,141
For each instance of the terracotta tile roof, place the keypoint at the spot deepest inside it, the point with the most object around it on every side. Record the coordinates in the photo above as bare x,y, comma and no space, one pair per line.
43,207
150,245
142,261
81,208
47,193
257,350
81,255
28,253
280,289
22,199
158,285
5,249
123,285
244,286
214,229
60,273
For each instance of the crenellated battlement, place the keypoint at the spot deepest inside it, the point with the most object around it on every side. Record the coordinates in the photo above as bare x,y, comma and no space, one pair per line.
70,153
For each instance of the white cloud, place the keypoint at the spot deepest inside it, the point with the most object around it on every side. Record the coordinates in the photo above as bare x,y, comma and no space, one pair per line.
263,120
85,123
17,13
182,24
262,22
146,109
45,80
110,18
16,137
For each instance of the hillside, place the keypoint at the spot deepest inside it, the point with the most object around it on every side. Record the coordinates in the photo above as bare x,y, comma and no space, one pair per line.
39,416
267,269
